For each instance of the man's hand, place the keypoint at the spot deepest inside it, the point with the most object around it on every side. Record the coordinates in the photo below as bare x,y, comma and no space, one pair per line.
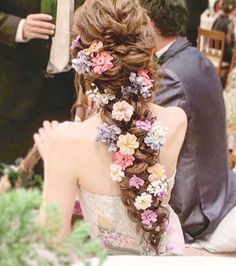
38,26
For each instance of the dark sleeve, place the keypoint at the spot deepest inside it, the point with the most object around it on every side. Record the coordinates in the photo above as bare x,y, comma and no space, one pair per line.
171,90
204,5
8,28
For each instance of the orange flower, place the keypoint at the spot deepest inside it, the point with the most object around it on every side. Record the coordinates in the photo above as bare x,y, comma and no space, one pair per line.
156,172
127,144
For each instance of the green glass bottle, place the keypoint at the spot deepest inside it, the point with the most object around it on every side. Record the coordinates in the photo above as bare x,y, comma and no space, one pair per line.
49,7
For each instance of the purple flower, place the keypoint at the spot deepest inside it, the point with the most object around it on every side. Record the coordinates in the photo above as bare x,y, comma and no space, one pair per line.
108,135
75,42
144,125
148,217
145,92
136,182
161,196
127,90
82,63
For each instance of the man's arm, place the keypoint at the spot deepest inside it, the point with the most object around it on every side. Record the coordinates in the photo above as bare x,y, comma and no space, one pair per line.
8,28
171,90
204,5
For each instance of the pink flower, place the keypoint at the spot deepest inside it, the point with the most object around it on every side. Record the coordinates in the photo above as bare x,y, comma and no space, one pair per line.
136,182
127,144
77,209
102,62
122,111
123,160
148,217
144,125
75,42
146,81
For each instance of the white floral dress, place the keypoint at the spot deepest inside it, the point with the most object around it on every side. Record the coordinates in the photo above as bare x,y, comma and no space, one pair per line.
107,218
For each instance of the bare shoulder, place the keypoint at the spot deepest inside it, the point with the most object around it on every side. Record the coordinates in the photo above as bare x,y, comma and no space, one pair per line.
176,117
172,117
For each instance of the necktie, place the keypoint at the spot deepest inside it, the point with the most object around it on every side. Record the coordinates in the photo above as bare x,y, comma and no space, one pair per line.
60,49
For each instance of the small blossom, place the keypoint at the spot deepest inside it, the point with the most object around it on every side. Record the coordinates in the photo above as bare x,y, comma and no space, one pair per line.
136,182
156,172
116,172
143,202
127,90
123,160
102,62
127,144
158,188
145,92
154,140
122,111
75,42
82,63
148,217
94,48
144,125
144,79
108,135
100,98
77,209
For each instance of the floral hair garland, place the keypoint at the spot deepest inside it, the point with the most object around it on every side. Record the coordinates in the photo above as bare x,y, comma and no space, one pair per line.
124,146
91,59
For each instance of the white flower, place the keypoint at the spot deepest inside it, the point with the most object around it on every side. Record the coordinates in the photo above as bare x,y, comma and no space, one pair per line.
157,187
159,131
143,202
116,172
100,98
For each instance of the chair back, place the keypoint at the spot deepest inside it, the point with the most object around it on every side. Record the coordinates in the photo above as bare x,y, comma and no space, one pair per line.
212,45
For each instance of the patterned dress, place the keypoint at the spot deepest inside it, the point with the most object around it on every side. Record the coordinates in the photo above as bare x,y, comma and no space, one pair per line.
107,218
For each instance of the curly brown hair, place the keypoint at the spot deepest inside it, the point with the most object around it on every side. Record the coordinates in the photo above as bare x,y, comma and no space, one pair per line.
126,32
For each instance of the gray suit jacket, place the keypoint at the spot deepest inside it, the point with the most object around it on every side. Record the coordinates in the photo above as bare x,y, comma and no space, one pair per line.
204,190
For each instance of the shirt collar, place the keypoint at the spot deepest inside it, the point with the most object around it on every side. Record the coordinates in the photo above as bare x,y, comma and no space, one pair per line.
164,49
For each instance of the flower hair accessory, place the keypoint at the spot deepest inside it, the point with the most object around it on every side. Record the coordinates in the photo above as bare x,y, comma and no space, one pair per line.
140,84
122,111
91,59
75,43
100,98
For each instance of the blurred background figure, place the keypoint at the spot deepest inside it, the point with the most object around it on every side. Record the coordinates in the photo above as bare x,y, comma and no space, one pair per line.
195,8
225,23
35,78
209,16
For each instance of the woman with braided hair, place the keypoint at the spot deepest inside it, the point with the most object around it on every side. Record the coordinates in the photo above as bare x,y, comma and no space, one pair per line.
122,161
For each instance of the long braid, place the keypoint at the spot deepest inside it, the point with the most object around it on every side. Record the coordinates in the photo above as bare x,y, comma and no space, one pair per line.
124,29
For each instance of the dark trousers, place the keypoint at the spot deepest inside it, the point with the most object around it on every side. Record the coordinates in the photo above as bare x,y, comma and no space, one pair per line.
54,102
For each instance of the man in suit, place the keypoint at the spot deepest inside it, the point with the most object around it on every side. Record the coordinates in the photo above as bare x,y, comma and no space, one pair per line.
195,8
35,78
204,190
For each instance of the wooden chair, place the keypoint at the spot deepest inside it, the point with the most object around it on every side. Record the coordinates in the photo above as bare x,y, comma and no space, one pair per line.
233,61
212,44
